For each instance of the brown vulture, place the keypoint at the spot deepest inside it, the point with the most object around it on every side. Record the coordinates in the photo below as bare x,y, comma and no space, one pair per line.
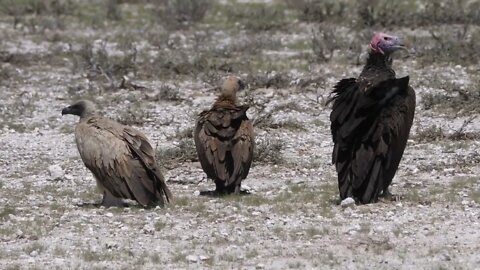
120,158
224,140
370,121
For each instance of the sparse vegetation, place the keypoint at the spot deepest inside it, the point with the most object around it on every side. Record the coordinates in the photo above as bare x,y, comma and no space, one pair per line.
435,133
181,13
159,225
34,247
475,195
111,70
155,64
184,151
269,152
6,212
314,231
320,11
89,255
456,100
324,44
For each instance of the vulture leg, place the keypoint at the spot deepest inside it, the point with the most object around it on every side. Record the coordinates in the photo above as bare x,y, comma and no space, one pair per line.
387,195
219,188
237,189
111,201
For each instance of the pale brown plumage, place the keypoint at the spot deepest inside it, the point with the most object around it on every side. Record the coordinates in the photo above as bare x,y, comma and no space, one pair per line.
120,158
224,139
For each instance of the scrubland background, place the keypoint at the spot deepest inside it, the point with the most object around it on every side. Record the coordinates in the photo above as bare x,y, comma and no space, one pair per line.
156,64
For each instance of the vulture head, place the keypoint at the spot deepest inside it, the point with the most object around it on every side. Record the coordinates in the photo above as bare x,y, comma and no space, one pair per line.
231,86
82,108
386,44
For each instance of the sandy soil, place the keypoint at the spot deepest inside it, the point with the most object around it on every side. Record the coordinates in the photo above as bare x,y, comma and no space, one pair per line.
290,221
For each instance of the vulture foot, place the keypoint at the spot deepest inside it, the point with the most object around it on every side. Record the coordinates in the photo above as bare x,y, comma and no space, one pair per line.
386,195
237,190
111,201
221,193
210,193
338,201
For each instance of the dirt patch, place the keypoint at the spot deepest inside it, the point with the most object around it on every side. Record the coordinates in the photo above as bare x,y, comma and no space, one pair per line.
158,74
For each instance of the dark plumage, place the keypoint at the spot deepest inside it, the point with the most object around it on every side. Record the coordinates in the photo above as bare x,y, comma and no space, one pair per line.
370,123
120,158
224,140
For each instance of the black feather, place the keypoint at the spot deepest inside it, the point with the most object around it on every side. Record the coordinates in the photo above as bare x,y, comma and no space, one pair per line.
370,121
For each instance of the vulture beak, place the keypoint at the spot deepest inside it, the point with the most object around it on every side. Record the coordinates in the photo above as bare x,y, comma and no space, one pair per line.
401,44
66,110
69,110
241,85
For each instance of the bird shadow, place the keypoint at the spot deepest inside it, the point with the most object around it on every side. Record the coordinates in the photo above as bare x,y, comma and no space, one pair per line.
216,194
90,205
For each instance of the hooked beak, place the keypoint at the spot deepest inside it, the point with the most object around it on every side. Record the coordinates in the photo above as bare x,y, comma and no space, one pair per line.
68,110
241,85
401,45
65,111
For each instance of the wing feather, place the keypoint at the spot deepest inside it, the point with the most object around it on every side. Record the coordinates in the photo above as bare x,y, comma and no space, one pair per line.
369,130
224,143
122,160
242,151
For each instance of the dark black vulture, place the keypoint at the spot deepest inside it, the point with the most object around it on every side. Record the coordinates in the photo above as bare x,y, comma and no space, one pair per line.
224,140
120,158
370,122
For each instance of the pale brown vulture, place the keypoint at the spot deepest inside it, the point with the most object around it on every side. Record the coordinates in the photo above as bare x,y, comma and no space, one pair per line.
120,158
370,123
224,139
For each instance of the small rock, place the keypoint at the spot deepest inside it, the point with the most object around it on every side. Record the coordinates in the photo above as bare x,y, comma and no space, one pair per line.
109,214
445,257
19,234
56,172
186,237
34,253
196,193
192,258
379,229
149,229
260,266
110,245
348,202
76,201
204,258
246,188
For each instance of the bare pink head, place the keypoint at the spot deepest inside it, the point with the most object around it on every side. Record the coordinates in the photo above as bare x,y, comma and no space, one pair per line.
386,44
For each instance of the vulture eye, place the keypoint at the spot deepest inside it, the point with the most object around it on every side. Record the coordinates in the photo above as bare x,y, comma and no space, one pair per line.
386,38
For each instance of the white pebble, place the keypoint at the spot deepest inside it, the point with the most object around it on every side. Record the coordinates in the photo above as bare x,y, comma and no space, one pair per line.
347,202
192,258
56,172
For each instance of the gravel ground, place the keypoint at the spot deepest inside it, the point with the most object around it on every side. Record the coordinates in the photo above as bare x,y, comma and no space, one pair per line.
47,216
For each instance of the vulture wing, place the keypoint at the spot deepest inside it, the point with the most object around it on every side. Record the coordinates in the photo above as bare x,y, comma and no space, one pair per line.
224,142
369,129
122,160
242,151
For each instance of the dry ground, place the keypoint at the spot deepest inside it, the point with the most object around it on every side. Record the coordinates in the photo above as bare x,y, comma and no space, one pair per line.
155,66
